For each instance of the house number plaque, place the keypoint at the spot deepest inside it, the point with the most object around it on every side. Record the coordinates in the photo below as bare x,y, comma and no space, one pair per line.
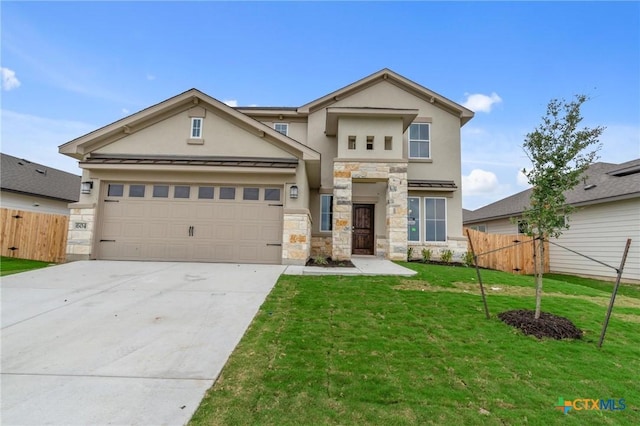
81,225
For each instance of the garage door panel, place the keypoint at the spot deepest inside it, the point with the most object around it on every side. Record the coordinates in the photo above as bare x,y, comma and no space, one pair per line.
133,209
179,210
158,229
225,253
190,229
111,228
204,211
270,233
224,231
226,211
248,232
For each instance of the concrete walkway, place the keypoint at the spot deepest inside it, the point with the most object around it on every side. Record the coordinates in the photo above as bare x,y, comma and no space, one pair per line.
364,265
121,343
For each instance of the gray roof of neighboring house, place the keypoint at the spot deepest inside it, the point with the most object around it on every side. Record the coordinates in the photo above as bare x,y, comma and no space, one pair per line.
610,182
26,177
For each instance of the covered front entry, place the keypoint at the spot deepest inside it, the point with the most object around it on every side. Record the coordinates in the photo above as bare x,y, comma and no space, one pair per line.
363,229
206,223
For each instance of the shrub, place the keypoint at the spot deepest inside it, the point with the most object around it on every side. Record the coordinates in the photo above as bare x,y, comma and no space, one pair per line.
409,253
320,260
467,258
446,255
426,255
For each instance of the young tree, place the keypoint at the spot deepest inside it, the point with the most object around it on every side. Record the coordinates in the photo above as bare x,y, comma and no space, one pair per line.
559,154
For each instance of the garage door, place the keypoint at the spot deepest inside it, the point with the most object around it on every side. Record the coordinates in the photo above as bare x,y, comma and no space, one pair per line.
202,223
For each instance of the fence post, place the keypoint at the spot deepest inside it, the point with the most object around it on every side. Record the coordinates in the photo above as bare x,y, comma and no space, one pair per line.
475,262
615,291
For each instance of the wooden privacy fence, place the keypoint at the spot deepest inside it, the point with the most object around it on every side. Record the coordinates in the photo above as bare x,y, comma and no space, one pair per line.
517,259
35,236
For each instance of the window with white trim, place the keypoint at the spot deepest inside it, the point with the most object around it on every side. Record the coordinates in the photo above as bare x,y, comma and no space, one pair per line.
196,127
413,219
419,140
282,128
326,212
435,219
481,228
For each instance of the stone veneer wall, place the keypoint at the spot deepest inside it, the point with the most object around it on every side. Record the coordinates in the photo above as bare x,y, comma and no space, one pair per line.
395,173
296,238
81,230
321,246
382,247
458,246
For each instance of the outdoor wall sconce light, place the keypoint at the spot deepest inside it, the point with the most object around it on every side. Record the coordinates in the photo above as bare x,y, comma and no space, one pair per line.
293,192
86,187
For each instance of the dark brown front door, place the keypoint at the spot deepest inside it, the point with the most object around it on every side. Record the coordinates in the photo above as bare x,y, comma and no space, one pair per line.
363,236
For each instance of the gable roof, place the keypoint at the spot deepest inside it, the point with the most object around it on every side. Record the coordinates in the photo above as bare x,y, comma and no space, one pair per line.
601,183
26,177
78,147
392,77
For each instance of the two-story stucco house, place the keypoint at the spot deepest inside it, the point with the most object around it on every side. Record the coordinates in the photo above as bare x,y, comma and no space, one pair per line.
368,169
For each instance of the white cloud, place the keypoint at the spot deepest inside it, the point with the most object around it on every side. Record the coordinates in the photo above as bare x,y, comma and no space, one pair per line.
522,180
151,77
231,102
125,111
9,79
478,102
479,182
37,138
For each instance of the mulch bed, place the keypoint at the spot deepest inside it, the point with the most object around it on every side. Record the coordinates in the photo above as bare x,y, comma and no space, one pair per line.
332,263
548,325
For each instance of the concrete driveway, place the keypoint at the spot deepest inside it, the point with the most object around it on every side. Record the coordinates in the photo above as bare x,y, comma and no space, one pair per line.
100,342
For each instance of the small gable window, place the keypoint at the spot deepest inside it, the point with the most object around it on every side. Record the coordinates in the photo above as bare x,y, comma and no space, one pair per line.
196,127
282,128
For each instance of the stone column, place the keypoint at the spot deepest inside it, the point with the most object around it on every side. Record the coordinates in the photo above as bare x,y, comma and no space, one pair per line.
296,237
81,231
342,188
397,212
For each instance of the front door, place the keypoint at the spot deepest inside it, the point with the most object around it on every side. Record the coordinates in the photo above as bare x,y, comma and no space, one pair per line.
363,235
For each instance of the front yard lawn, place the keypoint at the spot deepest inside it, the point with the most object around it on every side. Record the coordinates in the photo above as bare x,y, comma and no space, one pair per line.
12,265
394,351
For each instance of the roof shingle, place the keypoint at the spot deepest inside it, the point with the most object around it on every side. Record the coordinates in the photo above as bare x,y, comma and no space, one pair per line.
23,176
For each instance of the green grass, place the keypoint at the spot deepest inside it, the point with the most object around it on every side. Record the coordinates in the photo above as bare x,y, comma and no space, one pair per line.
395,351
11,265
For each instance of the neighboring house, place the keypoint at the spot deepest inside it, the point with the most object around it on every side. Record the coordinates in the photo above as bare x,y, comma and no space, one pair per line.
34,187
607,213
193,179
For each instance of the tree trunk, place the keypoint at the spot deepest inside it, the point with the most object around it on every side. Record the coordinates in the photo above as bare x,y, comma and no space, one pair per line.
539,270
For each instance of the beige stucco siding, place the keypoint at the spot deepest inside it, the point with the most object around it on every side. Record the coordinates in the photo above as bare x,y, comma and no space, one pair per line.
378,129
445,132
600,231
444,163
220,137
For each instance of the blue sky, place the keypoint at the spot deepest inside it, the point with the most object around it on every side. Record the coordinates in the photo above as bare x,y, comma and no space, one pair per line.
71,67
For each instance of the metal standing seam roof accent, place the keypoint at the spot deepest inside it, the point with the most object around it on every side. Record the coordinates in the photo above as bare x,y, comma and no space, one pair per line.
26,177
414,183
287,163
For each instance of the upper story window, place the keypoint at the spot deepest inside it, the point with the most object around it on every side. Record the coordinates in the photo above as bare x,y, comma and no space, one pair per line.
419,140
196,127
282,128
